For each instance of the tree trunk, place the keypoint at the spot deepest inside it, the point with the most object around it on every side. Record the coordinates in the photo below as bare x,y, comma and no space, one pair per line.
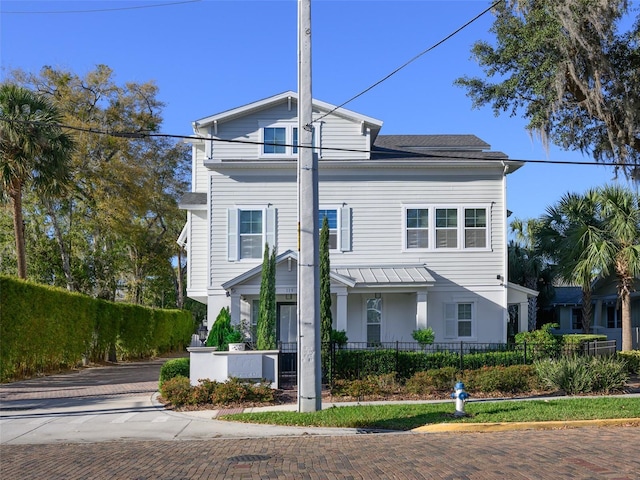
587,310
18,228
64,252
625,300
180,282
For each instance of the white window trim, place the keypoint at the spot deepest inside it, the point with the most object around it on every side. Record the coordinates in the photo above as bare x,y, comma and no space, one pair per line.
474,320
366,319
460,227
338,225
288,126
268,229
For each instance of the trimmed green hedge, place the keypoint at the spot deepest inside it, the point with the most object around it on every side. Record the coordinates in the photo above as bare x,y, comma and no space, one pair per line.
176,367
632,359
46,329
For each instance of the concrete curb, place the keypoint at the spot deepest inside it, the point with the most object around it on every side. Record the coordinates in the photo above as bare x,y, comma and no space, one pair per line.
508,426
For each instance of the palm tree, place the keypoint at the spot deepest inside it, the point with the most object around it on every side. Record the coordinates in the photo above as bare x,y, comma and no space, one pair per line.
567,231
619,247
526,267
596,234
34,152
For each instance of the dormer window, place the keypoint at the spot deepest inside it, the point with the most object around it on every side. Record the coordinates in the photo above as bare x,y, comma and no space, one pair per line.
280,139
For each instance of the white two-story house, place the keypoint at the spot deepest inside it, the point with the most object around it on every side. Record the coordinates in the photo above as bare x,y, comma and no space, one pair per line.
417,224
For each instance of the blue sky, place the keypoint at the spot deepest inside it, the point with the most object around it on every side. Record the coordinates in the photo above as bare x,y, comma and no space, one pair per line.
208,56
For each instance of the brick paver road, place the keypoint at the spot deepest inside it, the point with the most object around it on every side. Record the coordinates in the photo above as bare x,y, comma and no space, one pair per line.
582,453
590,453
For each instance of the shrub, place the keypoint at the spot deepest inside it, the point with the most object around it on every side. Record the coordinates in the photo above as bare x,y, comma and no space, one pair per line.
430,381
235,390
541,343
202,393
511,379
424,336
583,374
609,374
219,330
356,388
339,337
632,359
177,391
174,368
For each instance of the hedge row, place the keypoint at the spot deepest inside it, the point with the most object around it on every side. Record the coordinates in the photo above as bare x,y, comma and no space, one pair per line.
44,329
351,364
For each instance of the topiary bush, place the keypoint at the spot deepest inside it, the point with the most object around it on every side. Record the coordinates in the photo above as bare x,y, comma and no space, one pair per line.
176,367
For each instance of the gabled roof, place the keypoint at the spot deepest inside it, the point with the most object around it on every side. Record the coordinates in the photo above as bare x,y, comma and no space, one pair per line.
352,276
287,96
566,296
289,254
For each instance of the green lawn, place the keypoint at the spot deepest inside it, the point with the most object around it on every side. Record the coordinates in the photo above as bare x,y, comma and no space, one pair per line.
410,416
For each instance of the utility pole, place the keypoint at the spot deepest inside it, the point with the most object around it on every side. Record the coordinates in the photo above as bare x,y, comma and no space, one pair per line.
309,372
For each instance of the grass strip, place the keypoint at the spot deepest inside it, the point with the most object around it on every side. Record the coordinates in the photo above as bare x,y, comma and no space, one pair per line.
409,416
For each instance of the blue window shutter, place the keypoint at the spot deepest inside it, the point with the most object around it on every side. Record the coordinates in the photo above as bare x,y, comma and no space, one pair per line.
232,234
345,229
270,228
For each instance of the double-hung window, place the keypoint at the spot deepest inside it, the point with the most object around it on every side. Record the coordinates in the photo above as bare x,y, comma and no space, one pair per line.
275,140
251,229
374,321
248,230
417,228
281,139
332,220
459,320
339,220
446,228
433,227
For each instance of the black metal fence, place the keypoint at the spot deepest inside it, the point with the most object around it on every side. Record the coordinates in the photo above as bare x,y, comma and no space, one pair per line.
358,359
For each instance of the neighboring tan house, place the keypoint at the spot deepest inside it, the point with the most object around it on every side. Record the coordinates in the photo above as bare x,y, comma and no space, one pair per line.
417,224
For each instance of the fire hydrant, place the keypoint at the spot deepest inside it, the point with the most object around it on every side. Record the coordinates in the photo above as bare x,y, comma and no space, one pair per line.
460,395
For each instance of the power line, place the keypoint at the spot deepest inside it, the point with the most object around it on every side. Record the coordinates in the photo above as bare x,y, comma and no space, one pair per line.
437,44
391,153
136,7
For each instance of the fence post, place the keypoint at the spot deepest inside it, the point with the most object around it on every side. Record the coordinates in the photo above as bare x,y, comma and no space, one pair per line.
461,356
524,345
397,357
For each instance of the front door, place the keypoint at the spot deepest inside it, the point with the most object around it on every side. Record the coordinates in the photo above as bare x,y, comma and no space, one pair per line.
287,325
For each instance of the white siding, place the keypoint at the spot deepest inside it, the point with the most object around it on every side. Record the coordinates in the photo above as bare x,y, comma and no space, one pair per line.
197,253
334,131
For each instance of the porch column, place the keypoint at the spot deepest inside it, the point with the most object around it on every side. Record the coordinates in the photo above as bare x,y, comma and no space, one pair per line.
234,311
341,311
597,316
421,309
523,317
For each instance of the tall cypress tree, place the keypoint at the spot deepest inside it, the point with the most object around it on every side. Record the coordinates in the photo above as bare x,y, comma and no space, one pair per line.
266,329
325,299
325,284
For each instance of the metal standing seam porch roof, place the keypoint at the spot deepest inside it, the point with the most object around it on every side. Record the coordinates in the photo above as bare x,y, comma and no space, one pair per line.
387,275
